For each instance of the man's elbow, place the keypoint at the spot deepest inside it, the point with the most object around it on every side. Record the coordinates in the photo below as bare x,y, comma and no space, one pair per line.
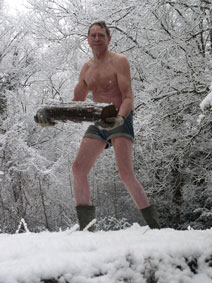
129,100
75,99
79,98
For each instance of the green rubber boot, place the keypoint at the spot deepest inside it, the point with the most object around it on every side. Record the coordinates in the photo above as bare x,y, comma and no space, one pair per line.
86,214
150,216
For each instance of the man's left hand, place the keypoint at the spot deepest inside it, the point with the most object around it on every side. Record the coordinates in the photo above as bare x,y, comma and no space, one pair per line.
110,123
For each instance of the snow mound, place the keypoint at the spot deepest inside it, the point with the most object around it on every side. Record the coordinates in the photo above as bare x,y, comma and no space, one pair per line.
133,255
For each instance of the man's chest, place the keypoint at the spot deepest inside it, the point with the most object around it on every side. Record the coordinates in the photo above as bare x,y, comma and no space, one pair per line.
101,77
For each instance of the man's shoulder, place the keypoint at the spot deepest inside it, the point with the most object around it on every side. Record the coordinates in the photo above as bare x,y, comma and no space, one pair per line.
118,57
120,60
86,66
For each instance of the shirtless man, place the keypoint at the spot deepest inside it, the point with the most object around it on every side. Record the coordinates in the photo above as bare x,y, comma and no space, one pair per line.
107,76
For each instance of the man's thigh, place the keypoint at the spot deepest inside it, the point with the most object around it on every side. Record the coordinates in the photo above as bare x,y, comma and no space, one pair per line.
89,151
123,148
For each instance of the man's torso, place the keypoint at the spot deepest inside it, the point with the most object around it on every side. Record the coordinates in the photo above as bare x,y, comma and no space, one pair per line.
101,79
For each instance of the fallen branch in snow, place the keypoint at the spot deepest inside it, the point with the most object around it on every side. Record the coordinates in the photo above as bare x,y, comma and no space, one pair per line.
188,265
133,255
22,227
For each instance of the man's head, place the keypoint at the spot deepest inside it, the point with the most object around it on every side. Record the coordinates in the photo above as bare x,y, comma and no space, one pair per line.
99,37
102,24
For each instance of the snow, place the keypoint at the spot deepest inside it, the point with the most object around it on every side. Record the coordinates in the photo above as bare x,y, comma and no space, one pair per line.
136,254
207,101
1,173
206,104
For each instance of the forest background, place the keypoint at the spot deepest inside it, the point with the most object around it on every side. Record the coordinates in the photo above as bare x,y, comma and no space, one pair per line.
42,50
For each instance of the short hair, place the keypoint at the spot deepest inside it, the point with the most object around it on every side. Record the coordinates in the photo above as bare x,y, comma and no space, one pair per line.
102,24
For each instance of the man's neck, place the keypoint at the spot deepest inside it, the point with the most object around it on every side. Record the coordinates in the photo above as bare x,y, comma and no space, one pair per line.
100,56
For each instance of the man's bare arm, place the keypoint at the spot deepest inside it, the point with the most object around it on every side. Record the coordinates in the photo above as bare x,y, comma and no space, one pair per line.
81,89
124,83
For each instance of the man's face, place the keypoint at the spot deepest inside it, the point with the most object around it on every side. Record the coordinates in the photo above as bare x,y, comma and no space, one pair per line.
98,39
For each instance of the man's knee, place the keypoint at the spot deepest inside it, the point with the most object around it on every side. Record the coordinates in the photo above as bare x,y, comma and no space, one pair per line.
80,169
76,168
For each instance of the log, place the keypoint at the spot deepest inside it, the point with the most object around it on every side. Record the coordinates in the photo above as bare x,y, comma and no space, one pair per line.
74,111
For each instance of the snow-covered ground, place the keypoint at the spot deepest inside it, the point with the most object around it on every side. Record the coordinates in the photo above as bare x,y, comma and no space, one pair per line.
134,255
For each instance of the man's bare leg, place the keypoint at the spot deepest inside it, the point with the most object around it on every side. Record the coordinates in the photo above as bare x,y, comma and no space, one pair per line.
123,152
89,151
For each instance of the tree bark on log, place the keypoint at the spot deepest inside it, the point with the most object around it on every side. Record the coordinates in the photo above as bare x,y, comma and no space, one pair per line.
75,111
